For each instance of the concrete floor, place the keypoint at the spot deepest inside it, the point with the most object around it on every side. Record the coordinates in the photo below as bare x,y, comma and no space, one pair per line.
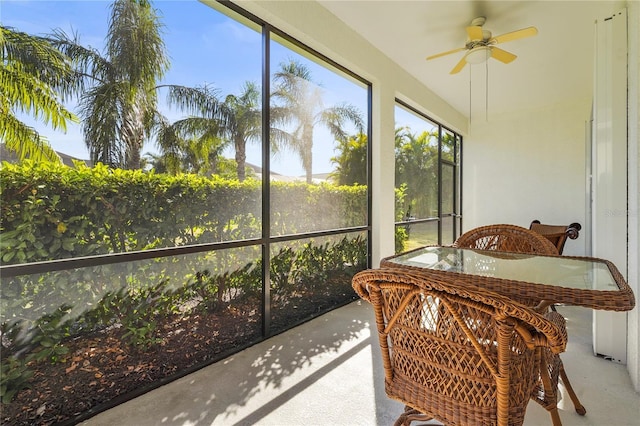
328,372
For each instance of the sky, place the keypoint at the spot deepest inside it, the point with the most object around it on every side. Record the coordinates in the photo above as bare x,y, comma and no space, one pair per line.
218,51
205,47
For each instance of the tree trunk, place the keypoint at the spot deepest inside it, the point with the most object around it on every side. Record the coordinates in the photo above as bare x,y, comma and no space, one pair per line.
241,158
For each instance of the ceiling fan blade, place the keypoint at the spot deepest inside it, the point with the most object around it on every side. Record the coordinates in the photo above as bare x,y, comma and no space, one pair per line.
515,35
445,53
502,55
459,66
475,33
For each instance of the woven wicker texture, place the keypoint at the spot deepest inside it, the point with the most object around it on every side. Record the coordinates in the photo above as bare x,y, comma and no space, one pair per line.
503,237
512,238
456,353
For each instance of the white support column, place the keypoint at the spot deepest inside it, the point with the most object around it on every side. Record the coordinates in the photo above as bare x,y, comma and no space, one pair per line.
383,173
609,171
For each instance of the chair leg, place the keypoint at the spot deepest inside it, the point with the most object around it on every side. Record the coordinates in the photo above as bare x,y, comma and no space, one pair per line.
411,415
549,402
555,417
550,394
574,398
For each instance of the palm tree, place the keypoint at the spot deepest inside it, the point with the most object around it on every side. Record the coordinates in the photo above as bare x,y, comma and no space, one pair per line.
119,100
34,79
244,122
302,107
417,167
351,162
192,144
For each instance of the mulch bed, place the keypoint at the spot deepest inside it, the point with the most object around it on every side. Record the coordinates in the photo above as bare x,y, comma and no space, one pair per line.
101,368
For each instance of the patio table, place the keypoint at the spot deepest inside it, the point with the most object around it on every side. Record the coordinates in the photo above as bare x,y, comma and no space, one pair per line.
579,281
531,279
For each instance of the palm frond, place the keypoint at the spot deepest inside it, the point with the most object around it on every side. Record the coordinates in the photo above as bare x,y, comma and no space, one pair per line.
336,119
134,43
24,140
102,109
200,100
29,95
33,80
38,58
196,126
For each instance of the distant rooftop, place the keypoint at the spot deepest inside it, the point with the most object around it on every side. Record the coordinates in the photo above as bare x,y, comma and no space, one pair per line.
67,160
316,177
12,157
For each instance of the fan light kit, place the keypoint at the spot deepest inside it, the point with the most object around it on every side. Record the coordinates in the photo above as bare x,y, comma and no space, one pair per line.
481,46
478,55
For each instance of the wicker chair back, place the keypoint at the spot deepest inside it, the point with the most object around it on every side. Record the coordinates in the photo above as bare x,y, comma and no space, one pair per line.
455,353
509,238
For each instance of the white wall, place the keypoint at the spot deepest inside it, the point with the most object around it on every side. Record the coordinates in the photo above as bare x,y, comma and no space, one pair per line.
527,165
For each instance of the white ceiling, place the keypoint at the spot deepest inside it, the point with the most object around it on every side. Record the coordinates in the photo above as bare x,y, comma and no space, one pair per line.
554,66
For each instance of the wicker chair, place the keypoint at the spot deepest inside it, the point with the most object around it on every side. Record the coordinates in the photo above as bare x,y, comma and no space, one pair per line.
557,234
456,353
502,237
514,238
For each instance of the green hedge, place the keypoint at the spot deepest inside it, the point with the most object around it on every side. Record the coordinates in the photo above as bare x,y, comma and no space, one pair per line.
50,211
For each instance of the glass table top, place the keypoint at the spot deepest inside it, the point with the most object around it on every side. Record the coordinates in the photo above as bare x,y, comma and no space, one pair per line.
550,270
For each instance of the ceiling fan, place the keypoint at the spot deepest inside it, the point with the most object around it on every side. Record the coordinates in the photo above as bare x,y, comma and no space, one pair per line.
481,45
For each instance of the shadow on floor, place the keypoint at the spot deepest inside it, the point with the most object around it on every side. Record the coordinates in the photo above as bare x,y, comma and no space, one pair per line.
329,372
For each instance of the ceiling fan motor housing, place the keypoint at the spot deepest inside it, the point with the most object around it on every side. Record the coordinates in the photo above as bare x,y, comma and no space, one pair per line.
479,21
486,38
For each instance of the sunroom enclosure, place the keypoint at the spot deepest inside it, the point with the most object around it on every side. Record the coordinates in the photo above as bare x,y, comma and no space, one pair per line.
507,158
